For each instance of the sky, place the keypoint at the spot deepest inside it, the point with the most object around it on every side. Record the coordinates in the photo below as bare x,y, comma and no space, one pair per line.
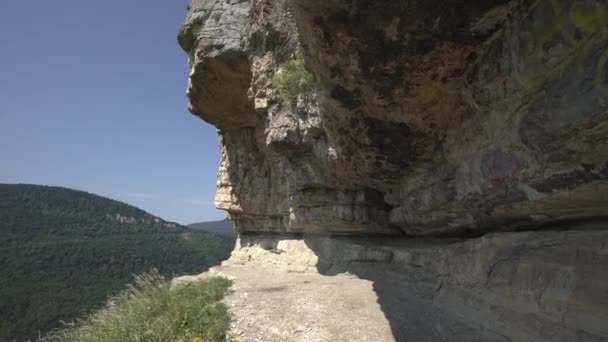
92,97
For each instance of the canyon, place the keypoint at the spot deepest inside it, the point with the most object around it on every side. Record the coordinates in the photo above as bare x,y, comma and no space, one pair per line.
454,154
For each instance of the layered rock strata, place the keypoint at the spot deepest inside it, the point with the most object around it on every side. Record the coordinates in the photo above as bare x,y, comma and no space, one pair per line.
424,118
526,286
418,119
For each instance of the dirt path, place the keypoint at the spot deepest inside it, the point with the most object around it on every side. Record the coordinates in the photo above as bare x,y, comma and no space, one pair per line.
275,305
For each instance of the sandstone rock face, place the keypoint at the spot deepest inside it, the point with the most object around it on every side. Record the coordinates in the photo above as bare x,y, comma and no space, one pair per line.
425,118
405,120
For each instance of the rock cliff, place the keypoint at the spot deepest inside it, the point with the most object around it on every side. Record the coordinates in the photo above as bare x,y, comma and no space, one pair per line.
419,119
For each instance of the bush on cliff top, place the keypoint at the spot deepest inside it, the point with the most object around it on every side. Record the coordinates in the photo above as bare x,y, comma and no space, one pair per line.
150,310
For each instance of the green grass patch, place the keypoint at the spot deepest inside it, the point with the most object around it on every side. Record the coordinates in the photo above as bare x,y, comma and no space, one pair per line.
150,310
293,80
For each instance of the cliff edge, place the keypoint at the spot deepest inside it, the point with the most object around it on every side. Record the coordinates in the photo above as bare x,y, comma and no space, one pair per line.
455,154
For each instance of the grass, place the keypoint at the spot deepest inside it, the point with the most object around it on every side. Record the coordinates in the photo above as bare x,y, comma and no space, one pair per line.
151,311
293,80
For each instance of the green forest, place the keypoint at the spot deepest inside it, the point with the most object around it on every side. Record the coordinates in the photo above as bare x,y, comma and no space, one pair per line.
223,227
63,252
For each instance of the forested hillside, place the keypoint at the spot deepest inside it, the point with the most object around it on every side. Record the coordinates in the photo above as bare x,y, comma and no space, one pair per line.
62,252
223,227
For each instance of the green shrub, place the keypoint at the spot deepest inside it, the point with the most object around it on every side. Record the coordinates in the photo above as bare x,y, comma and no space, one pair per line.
196,29
152,311
293,80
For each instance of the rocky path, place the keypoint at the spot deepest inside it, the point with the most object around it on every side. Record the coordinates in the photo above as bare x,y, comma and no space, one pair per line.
271,305
514,286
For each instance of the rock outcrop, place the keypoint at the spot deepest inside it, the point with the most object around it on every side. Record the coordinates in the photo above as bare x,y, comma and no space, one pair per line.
414,119
424,118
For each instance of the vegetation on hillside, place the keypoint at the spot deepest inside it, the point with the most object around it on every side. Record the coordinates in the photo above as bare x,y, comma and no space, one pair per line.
62,252
152,311
222,227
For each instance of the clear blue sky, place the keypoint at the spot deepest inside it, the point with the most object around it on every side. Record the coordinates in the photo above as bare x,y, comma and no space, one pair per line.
92,97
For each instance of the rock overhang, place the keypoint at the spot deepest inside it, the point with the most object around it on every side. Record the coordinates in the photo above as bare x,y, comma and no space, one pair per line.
458,117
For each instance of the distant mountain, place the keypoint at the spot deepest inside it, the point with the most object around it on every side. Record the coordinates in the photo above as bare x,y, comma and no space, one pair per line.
223,227
62,252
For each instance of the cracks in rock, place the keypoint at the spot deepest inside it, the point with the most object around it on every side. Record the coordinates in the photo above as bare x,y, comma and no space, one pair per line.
438,288
445,239
514,255
563,225
539,297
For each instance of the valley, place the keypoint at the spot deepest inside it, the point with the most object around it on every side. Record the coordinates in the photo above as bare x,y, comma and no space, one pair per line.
63,252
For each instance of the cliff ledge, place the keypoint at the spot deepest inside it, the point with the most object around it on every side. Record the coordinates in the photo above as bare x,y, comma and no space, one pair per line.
454,153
